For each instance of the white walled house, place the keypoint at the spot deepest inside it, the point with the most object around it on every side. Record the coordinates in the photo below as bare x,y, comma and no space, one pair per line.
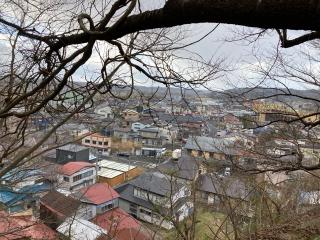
76,175
97,199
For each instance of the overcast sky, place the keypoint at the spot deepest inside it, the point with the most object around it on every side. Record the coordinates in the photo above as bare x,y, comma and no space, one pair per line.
238,55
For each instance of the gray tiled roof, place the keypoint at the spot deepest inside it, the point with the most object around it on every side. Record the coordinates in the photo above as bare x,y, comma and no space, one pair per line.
227,186
209,144
126,193
186,167
156,182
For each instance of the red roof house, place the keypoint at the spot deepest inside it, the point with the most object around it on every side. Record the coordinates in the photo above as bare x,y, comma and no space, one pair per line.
121,226
24,227
96,194
73,167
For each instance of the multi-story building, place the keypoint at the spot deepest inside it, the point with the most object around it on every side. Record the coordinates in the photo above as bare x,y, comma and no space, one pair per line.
150,197
99,142
76,175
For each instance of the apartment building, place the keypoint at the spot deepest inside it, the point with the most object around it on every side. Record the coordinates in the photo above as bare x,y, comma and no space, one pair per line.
99,142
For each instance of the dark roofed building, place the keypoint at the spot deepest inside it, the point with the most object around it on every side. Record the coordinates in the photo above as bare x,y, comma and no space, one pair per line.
215,191
186,167
56,207
72,153
141,196
226,186
157,183
214,148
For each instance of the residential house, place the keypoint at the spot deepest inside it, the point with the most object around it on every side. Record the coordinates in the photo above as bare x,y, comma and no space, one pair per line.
213,189
216,191
76,175
96,199
55,208
24,227
14,201
214,148
115,173
79,229
99,142
121,226
123,141
150,197
124,134
21,177
152,140
185,167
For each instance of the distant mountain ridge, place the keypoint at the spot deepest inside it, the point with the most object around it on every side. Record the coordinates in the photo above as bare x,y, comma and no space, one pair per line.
269,93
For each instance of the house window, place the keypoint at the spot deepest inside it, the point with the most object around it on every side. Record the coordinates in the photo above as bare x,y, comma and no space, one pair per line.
87,140
88,183
94,142
100,143
107,207
66,179
87,174
106,143
137,192
77,178
146,212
